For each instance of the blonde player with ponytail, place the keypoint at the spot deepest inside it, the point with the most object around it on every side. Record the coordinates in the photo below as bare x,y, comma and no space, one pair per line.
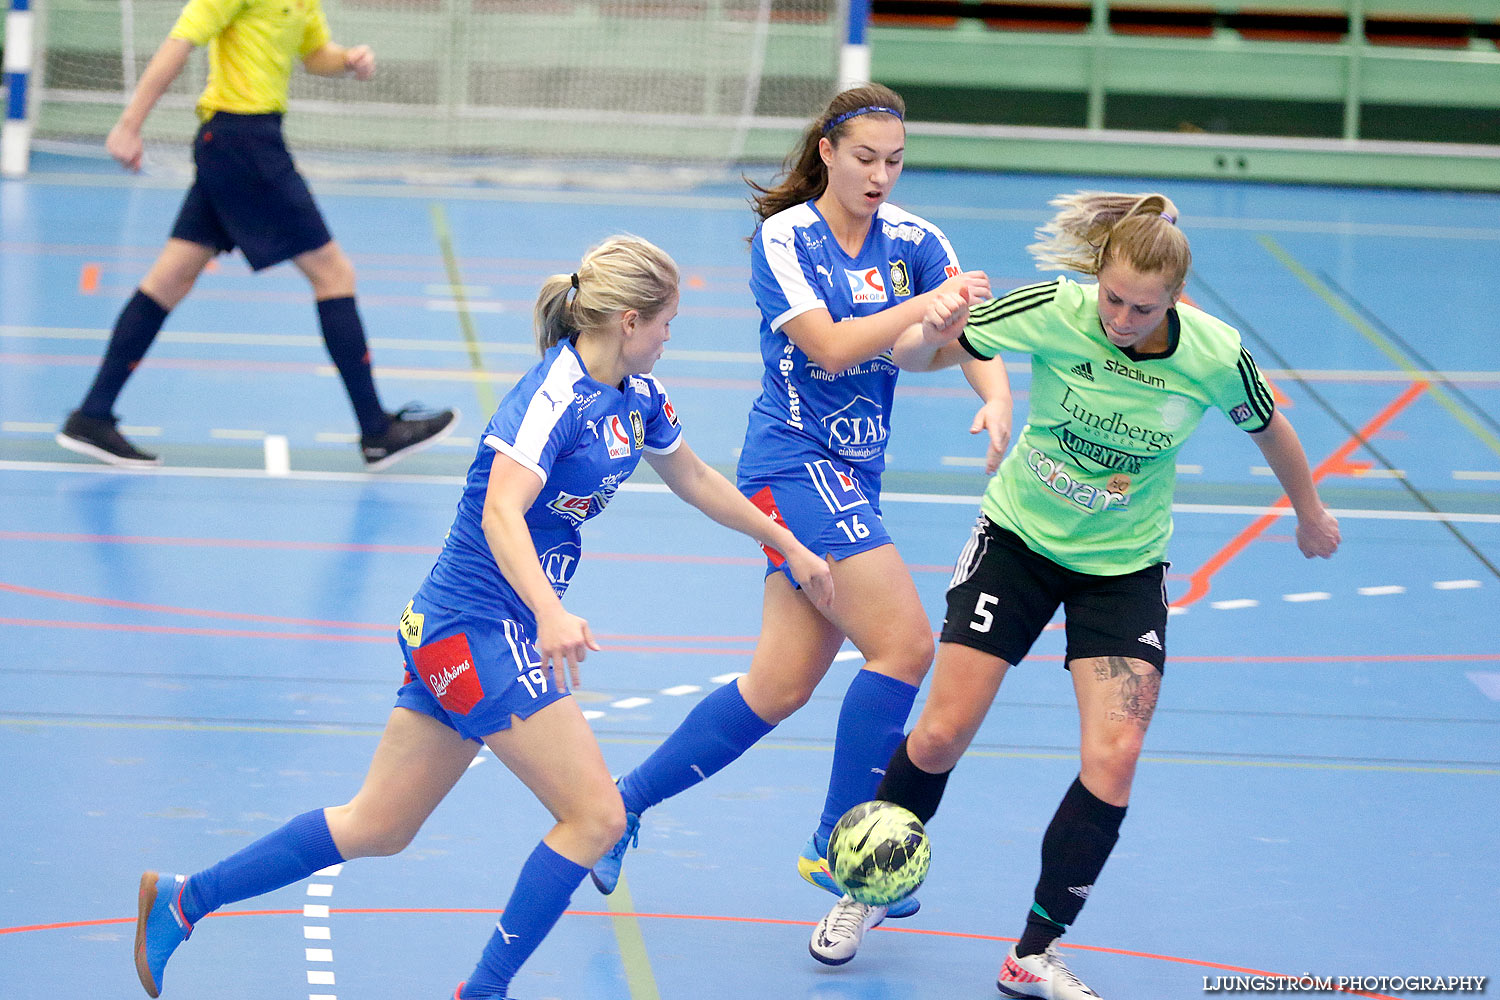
491,653
1079,515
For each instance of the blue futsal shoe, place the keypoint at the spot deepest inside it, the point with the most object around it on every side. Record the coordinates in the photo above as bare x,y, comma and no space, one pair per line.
159,927
812,864
606,872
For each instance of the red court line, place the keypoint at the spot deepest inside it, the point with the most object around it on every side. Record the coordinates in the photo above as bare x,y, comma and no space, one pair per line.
697,917
242,616
216,633
1335,464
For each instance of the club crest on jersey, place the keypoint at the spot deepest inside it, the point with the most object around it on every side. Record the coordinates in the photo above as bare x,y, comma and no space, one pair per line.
558,563
615,439
900,279
866,286
637,429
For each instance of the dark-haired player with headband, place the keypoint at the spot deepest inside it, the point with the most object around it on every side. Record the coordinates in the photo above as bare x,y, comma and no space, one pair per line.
1079,515
838,273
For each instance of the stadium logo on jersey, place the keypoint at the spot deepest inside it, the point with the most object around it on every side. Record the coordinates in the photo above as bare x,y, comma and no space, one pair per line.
447,668
856,431
1083,370
668,412
615,439
1135,374
1241,413
638,429
900,279
558,563
865,286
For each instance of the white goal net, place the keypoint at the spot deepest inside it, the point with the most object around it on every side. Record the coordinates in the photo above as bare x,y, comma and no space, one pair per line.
471,86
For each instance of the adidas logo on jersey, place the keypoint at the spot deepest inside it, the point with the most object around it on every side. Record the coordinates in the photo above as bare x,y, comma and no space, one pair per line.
1151,639
1081,891
1084,369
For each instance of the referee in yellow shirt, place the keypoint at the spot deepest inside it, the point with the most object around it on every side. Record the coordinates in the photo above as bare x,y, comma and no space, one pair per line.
247,194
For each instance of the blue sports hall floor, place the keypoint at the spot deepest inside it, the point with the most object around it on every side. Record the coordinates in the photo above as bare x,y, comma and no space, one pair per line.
199,652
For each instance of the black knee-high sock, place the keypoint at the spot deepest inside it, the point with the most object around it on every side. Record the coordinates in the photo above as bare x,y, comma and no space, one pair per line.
137,326
909,786
345,336
1074,849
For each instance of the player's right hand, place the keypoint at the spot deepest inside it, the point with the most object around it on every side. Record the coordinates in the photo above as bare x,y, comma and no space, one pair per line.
563,641
974,286
813,576
124,144
945,318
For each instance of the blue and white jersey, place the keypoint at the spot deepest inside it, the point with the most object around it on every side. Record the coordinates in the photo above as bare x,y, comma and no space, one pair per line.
583,439
796,265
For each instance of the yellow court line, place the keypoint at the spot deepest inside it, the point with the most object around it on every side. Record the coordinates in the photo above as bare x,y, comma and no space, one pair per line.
482,388
1337,303
638,975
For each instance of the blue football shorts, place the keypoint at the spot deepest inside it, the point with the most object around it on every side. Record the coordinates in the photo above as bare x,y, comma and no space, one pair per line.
248,194
824,504
471,673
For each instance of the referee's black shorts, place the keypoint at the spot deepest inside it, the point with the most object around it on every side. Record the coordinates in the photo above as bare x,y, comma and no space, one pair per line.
1003,594
248,194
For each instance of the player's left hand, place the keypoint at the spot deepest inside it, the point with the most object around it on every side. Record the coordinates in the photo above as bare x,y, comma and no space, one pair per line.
1318,535
994,417
360,60
813,576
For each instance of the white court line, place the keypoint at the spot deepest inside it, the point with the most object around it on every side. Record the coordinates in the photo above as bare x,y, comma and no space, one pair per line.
1476,475
1236,604
319,889
1455,584
726,678
316,911
312,932
592,713
1488,682
1311,595
848,654
681,689
1382,591
307,475
630,703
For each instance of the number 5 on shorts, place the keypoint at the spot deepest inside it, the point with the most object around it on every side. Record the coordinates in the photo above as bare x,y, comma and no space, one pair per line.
984,619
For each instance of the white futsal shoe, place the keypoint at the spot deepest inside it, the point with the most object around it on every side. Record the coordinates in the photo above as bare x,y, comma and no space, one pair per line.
836,938
1044,977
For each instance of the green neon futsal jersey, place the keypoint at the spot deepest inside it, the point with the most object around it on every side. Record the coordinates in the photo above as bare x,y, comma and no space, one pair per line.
1089,482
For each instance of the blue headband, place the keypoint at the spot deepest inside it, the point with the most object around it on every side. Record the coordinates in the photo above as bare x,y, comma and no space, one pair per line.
869,110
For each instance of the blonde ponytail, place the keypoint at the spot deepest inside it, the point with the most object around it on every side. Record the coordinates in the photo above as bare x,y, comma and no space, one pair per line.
620,274
1094,227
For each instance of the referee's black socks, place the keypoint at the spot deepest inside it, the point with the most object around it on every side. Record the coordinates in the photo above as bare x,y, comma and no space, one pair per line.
910,787
1074,849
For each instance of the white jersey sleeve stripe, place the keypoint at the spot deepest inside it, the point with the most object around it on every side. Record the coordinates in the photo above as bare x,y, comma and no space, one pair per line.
676,443
550,404
778,237
515,456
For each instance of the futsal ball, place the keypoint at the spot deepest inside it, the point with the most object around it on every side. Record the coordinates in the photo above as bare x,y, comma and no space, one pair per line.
879,852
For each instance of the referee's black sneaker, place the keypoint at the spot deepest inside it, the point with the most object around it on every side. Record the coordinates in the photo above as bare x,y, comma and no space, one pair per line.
411,429
101,439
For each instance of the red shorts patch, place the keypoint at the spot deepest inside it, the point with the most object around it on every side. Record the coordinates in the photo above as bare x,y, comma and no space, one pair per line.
767,505
447,668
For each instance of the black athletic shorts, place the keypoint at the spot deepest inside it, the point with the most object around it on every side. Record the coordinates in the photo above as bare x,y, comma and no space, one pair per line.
1003,594
248,194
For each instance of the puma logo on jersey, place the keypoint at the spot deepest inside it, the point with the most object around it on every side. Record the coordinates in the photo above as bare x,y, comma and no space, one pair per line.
1083,369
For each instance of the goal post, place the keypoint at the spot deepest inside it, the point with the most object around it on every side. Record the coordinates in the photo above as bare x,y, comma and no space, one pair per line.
466,86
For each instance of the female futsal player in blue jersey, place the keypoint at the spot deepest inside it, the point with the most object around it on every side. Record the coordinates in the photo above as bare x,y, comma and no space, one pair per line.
490,650
838,274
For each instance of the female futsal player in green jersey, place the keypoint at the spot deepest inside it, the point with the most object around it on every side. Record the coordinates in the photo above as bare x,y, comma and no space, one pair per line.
1079,515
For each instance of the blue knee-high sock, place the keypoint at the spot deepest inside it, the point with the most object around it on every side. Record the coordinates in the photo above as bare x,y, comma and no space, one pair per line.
345,336
137,326
714,734
281,857
870,726
541,895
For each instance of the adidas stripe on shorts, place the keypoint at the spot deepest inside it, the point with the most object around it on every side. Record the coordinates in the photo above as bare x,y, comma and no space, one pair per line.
1003,594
